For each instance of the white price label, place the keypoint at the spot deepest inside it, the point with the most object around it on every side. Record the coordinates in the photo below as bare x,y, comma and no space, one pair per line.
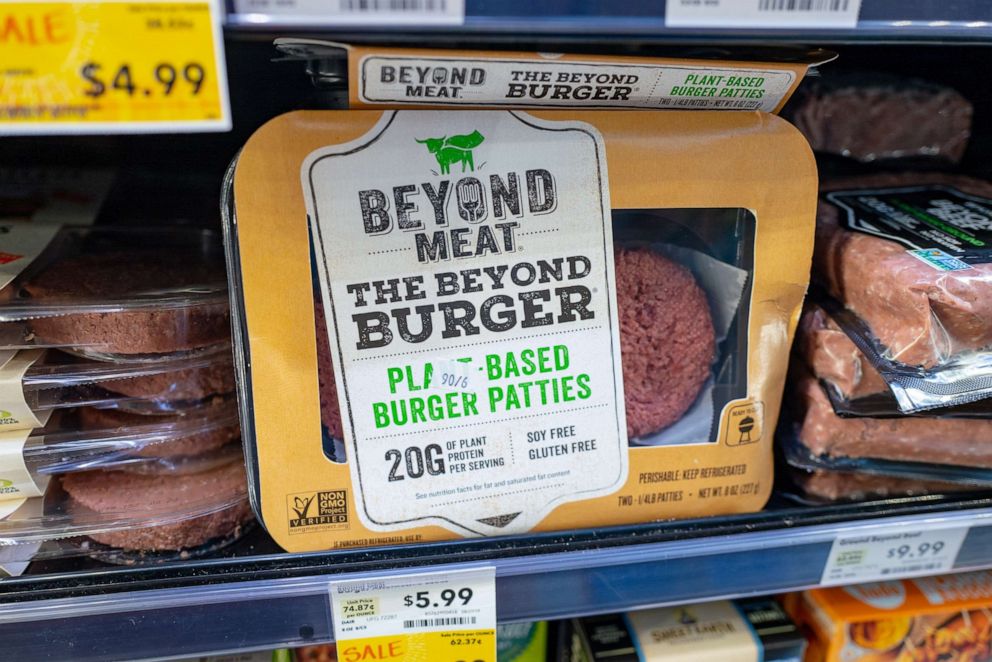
360,12
892,553
762,13
434,616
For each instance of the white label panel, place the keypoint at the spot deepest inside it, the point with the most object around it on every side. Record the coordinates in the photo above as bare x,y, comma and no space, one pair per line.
485,239
535,83
762,13
892,554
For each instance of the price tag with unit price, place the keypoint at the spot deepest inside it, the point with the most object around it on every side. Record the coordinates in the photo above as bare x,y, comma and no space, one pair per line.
442,617
112,67
892,553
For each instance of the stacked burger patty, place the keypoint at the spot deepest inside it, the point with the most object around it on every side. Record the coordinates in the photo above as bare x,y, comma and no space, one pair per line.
137,368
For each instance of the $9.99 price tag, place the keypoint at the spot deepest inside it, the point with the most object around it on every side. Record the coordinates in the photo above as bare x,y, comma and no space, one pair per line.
112,66
435,617
892,553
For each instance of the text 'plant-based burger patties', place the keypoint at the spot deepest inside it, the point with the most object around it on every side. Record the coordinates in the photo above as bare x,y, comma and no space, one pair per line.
520,321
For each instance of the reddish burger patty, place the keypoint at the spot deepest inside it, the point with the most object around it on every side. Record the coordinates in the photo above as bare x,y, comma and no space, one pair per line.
118,492
666,338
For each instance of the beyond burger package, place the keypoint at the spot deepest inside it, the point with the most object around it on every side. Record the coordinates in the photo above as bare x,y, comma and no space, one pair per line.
493,322
906,262
689,79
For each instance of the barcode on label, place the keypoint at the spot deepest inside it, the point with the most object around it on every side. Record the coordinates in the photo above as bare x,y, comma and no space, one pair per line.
428,6
762,13
919,567
438,622
803,5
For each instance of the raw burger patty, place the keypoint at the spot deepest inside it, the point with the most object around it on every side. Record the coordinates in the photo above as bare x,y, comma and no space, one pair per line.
849,485
667,343
666,338
123,275
830,355
920,314
178,386
330,410
870,117
958,441
206,439
120,492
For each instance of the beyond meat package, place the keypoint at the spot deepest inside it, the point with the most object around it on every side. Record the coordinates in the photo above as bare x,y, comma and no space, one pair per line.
492,322
907,261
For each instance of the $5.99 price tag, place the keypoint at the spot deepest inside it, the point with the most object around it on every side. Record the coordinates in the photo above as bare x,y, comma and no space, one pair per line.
892,553
435,617
112,67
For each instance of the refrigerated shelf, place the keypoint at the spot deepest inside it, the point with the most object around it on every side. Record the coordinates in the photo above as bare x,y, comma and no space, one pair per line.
879,20
271,600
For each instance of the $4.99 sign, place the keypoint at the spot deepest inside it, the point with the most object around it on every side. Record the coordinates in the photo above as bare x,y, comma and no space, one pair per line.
441,617
112,66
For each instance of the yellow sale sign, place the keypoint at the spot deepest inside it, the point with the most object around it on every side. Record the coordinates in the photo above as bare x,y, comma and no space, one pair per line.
110,66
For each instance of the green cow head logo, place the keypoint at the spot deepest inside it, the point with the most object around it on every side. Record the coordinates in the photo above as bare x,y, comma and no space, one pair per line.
454,149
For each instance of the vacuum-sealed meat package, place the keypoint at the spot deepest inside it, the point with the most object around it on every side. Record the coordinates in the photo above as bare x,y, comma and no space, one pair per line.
876,117
494,322
852,383
907,261
959,442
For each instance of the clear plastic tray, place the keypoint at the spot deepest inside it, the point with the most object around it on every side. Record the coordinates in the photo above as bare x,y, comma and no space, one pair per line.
77,440
110,293
141,517
60,380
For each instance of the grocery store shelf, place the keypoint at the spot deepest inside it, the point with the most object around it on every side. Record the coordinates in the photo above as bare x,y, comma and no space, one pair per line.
225,605
879,20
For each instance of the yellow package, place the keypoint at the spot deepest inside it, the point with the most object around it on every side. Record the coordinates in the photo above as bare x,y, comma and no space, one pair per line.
477,323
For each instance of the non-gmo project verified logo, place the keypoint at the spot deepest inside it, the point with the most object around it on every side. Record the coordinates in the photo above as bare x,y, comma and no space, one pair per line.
317,511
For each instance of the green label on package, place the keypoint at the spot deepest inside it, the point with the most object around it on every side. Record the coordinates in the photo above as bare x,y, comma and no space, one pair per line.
466,267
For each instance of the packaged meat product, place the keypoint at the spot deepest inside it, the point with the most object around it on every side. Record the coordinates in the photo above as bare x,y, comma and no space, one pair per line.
113,293
744,629
875,117
131,517
830,485
963,442
76,440
718,79
669,344
531,321
910,256
852,383
909,620
33,383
